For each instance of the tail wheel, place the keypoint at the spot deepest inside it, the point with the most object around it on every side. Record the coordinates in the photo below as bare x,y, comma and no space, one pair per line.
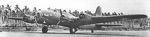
44,29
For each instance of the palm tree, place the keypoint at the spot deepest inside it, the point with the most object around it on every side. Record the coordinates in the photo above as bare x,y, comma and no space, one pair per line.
121,13
108,14
114,13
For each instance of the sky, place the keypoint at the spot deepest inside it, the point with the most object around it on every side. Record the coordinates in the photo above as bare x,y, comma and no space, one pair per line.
125,6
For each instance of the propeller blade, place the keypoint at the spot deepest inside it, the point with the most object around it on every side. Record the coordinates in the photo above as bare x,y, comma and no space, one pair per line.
60,12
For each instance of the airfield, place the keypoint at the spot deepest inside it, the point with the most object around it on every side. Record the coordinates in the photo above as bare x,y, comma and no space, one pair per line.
16,26
80,33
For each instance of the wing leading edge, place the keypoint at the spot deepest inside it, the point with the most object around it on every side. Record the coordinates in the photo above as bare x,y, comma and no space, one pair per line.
117,18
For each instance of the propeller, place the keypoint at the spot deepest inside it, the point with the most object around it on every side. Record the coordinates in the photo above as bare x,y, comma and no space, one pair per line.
36,18
61,17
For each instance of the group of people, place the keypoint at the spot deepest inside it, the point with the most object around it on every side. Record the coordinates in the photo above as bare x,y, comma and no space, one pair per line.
16,12
7,11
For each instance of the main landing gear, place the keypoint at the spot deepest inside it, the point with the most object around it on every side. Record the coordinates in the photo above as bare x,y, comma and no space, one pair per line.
92,30
73,30
44,29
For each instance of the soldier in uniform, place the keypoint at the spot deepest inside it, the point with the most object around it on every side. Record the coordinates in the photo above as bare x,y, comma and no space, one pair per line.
8,7
18,11
17,8
13,13
34,11
26,10
3,13
0,10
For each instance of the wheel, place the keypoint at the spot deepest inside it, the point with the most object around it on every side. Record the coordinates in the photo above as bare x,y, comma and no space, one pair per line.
92,31
44,29
72,30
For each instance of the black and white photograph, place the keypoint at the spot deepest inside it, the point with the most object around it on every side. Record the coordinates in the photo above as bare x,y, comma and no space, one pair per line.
74,18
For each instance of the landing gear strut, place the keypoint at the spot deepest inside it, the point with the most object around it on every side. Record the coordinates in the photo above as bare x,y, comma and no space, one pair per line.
73,30
92,30
44,29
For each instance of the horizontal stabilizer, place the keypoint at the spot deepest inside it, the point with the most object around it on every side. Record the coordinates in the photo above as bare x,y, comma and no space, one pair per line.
108,24
117,18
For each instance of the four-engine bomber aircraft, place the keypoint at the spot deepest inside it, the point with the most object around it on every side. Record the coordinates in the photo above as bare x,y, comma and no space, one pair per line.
72,22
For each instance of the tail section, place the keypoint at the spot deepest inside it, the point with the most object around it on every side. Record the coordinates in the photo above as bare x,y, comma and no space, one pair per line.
98,11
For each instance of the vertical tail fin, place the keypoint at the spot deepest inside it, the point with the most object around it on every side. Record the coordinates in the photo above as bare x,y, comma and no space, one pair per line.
98,11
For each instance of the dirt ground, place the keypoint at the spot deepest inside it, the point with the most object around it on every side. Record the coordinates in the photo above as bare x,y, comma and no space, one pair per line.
83,33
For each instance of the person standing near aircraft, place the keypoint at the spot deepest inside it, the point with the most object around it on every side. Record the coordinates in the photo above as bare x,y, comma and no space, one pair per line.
26,10
17,8
18,11
13,13
6,13
0,9
3,14
34,11
8,7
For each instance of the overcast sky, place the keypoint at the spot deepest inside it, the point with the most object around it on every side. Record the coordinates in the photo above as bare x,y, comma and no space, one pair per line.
126,6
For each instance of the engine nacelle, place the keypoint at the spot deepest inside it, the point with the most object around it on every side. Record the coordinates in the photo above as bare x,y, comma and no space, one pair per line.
29,20
81,16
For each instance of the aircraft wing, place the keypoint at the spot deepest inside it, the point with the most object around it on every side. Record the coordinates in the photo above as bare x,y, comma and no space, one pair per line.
98,24
117,18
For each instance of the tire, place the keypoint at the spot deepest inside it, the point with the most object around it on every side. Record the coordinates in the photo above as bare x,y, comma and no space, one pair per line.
71,31
44,29
92,31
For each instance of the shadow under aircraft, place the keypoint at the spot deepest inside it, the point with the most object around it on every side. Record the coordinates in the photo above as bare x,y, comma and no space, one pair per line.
57,17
